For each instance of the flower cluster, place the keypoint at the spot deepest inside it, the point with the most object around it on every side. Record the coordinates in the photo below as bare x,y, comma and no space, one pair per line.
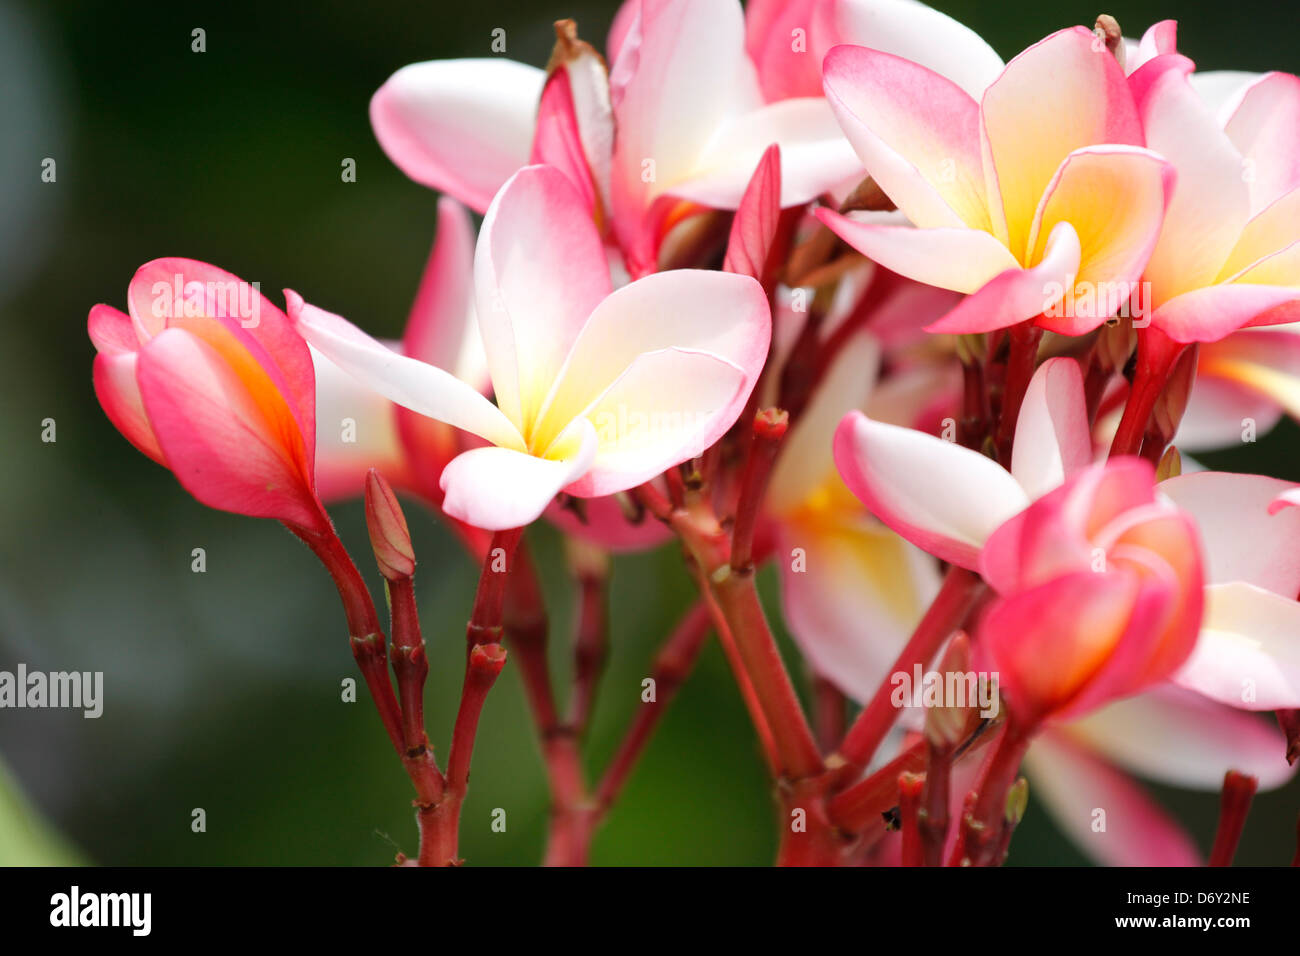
824,284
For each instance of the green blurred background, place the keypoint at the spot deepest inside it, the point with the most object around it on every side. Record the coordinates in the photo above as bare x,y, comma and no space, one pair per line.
222,688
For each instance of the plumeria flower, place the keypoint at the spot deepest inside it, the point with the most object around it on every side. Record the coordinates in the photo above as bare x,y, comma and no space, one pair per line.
852,590
597,391
1228,255
206,377
1099,586
1041,187
950,501
679,115
695,91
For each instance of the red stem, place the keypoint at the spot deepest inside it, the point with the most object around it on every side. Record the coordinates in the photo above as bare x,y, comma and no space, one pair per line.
526,625
981,835
1021,362
1234,807
910,786
859,807
769,428
746,686
365,636
410,664
589,647
489,601
1156,354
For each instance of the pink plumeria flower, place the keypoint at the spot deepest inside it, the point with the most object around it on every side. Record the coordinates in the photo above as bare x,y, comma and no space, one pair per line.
950,501
695,91
206,377
1041,187
1229,254
679,115
597,391
1100,592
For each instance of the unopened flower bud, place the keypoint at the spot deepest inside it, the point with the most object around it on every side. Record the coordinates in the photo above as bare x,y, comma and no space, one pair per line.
1171,464
1115,345
1169,407
948,724
1017,801
389,536
1108,31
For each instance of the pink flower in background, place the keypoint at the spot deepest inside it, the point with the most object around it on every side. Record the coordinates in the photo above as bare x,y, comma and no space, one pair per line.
789,39
1244,384
596,391
1040,187
695,91
851,589
1229,254
209,379
1166,735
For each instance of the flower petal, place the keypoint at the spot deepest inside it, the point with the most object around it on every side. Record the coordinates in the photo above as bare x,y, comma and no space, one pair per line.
1265,128
228,437
176,291
1058,96
916,132
922,34
499,488
1134,830
854,600
1017,294
1115,237
1211,202
667,407
356,430
459,126
753,230
1241,540
719,313
1179,738
960,259
1052,439
442,316
1248,653
539,271
1209,313
412,384
1271,230
815,156
806,459
119,394
942,497
680,76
